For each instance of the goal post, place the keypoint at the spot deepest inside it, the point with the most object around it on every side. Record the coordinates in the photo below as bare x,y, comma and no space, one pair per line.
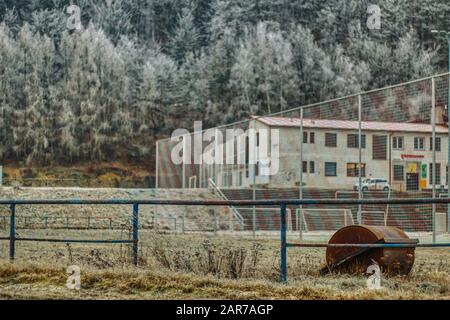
192,182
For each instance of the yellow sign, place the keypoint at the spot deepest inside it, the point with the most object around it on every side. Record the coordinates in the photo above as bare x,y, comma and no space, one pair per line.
423,183
411,167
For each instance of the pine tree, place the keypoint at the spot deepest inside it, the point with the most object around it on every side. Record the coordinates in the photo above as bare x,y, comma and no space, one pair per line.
185,38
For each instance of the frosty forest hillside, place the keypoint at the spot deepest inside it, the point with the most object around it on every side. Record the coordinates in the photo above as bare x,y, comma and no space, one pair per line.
140,68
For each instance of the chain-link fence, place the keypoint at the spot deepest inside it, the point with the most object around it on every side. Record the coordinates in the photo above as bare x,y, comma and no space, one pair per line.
390,142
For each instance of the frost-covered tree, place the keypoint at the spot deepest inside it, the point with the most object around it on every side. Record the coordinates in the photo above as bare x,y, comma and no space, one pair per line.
112,16
312,64
271,60
243,81
410,60
185,38
140,68
49,22
157,90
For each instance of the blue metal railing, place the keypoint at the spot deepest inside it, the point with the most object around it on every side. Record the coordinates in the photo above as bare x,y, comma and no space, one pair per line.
12,229
282,203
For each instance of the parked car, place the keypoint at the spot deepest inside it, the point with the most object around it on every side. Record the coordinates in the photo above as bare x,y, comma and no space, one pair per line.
373,184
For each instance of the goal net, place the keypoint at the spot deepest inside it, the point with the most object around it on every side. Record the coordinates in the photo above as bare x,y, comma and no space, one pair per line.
264,219
323,219
374,218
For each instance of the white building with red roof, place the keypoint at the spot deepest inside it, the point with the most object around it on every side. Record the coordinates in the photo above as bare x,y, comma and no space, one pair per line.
399,153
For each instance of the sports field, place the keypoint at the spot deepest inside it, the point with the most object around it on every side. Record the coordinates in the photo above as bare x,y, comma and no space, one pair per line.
202,266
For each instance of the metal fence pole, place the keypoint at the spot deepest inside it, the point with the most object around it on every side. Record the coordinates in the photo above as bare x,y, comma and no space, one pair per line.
433,138
300,183
182,222
359,157
200,165
183,165
157,165
301,223
283,252
448,137
135,233
12,232
253,158
215,220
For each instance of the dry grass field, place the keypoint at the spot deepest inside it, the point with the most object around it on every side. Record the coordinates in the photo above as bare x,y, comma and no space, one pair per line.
200,266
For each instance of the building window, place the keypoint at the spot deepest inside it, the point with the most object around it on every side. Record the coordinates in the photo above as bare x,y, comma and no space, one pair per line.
226,180
379,147
305,167
437,174
239,179
312,168
399,172
352,170
330,169
353,141
330,140
311,137
438,143
419,143
397,143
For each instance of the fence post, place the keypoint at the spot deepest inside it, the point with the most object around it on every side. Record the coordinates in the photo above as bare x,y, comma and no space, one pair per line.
182,222
12,232
300,223
300,179
433,171
448,143
283,253
157,166
253,141
360,193
215,220
135,233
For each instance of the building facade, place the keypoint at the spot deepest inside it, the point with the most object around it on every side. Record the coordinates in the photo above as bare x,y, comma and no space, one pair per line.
327,154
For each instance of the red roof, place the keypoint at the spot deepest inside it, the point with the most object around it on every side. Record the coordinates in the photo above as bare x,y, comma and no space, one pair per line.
351,125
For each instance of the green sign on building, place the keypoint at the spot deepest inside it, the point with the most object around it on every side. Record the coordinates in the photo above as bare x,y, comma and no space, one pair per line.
424,170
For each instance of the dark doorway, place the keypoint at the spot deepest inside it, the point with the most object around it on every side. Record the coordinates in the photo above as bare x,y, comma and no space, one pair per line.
412,181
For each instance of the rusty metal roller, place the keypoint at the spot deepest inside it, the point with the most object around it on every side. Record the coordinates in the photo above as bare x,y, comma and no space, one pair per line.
356,260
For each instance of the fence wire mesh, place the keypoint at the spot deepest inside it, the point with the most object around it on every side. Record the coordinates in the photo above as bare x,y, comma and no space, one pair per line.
390,142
